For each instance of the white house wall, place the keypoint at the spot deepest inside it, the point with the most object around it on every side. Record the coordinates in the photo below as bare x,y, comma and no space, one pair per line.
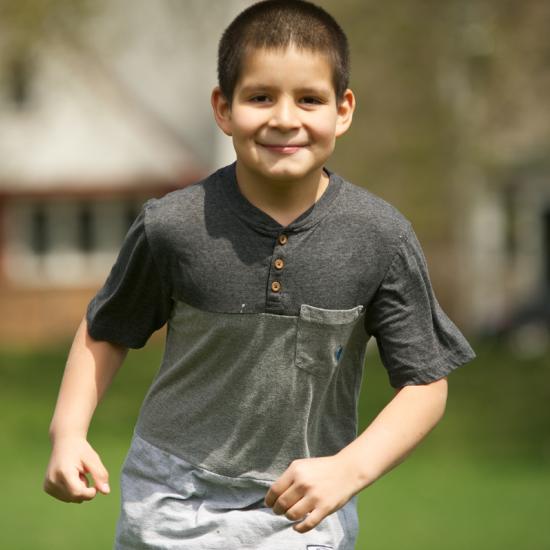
64,263
486,258
127,99
167,57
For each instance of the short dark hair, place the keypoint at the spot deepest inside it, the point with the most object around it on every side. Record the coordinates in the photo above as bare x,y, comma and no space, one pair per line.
277,24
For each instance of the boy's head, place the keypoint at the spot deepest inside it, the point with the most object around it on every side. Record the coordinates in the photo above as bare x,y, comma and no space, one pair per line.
279,24
283,95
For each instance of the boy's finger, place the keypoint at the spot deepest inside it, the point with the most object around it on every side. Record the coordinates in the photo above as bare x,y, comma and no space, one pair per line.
288,499
77,488
300,510
312,520
278,488
99,473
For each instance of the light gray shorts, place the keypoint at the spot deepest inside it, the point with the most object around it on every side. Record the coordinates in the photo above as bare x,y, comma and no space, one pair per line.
168,503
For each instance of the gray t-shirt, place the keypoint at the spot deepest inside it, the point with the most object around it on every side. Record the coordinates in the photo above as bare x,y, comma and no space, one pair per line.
267,325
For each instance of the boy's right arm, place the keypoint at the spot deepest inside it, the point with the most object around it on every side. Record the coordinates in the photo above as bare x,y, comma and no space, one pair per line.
91,366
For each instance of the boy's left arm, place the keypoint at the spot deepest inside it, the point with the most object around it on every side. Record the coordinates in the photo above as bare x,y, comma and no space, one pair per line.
316,487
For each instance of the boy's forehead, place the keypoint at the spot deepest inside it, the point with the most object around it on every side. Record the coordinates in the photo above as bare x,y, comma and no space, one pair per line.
306,56
288,62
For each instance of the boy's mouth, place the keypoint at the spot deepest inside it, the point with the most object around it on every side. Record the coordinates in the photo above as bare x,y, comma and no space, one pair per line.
283,149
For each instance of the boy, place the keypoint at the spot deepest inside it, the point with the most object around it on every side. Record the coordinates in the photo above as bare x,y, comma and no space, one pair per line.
272,274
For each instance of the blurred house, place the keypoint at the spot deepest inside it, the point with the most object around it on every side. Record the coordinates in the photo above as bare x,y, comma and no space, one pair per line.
453,127
96,117
499,81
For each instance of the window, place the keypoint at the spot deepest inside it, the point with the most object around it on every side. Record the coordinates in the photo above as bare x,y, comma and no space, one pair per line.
510,204
65,241
39,235
19,81
85,229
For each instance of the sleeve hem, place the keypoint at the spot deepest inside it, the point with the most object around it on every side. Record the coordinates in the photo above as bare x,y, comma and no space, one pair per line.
107,334
435,372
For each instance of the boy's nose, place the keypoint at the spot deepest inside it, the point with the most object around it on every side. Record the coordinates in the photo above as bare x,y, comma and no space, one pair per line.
284,115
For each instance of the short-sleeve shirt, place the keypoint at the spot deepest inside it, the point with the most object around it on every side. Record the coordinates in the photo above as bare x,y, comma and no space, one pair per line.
268,325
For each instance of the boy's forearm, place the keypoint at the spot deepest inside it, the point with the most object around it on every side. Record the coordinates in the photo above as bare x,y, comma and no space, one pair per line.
396,431
90,368
312,488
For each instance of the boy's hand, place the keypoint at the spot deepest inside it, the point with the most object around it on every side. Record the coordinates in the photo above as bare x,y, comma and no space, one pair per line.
315,487
72,458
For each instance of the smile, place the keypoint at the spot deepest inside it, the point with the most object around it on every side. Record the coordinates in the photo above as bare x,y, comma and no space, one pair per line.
283,149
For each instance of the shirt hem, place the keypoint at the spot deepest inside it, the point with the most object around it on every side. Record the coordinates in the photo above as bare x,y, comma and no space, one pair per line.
208,471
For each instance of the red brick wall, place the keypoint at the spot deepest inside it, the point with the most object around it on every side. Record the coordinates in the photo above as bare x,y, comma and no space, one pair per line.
42,317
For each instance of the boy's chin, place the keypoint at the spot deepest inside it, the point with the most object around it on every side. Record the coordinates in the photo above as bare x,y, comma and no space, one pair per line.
290,176
283,171
287,173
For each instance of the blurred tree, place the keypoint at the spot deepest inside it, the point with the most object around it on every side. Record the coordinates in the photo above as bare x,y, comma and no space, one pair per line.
451,96
25,23
24,26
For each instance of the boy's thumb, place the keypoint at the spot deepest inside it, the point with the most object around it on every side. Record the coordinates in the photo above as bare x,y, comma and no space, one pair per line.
99,474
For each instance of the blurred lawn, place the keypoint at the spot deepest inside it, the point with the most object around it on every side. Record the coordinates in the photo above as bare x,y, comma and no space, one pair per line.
481,481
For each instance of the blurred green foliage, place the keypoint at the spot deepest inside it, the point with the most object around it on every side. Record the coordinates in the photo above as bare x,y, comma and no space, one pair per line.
30,19
480,480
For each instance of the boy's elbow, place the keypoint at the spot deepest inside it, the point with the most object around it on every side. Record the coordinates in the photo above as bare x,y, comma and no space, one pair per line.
441,386
440,392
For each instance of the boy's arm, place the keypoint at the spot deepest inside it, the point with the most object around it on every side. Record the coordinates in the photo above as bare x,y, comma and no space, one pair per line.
90,368
319,486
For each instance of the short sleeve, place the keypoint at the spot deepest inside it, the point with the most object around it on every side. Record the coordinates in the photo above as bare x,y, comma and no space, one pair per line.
417,342
135,299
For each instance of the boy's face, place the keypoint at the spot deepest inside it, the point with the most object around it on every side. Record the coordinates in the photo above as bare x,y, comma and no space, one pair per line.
284,118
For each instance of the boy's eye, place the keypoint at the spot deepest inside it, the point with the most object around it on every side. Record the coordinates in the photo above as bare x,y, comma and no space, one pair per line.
259,99
310,100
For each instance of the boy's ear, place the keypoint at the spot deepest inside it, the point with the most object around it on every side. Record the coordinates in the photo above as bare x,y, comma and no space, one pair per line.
345,107
222,111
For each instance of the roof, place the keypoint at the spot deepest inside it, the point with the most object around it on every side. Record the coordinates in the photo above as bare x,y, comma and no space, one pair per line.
110,107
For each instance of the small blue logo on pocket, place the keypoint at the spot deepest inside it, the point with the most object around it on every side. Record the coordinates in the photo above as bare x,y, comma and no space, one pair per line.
338,353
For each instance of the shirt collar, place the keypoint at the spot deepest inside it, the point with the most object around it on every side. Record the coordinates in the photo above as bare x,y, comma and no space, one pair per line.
264,223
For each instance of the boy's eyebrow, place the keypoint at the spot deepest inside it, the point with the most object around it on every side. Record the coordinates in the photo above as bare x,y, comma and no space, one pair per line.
322,90
308,90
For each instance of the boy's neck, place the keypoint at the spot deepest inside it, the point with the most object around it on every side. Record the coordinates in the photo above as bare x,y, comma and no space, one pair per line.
284,201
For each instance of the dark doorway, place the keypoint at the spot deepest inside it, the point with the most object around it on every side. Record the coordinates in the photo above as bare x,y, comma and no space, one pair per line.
546,247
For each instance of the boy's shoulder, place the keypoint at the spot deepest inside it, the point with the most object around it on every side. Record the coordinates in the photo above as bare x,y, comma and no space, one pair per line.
366,214
183,206
191,196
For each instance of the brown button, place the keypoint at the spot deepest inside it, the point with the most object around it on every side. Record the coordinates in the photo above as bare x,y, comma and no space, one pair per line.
275,286
283,239
279,263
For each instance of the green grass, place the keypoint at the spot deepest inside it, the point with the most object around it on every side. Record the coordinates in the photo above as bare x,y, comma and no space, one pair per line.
480,481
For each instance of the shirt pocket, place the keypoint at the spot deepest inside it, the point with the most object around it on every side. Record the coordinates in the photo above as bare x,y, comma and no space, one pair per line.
322,336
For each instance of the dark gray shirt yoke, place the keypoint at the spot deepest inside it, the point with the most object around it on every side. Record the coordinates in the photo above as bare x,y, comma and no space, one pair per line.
267,325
